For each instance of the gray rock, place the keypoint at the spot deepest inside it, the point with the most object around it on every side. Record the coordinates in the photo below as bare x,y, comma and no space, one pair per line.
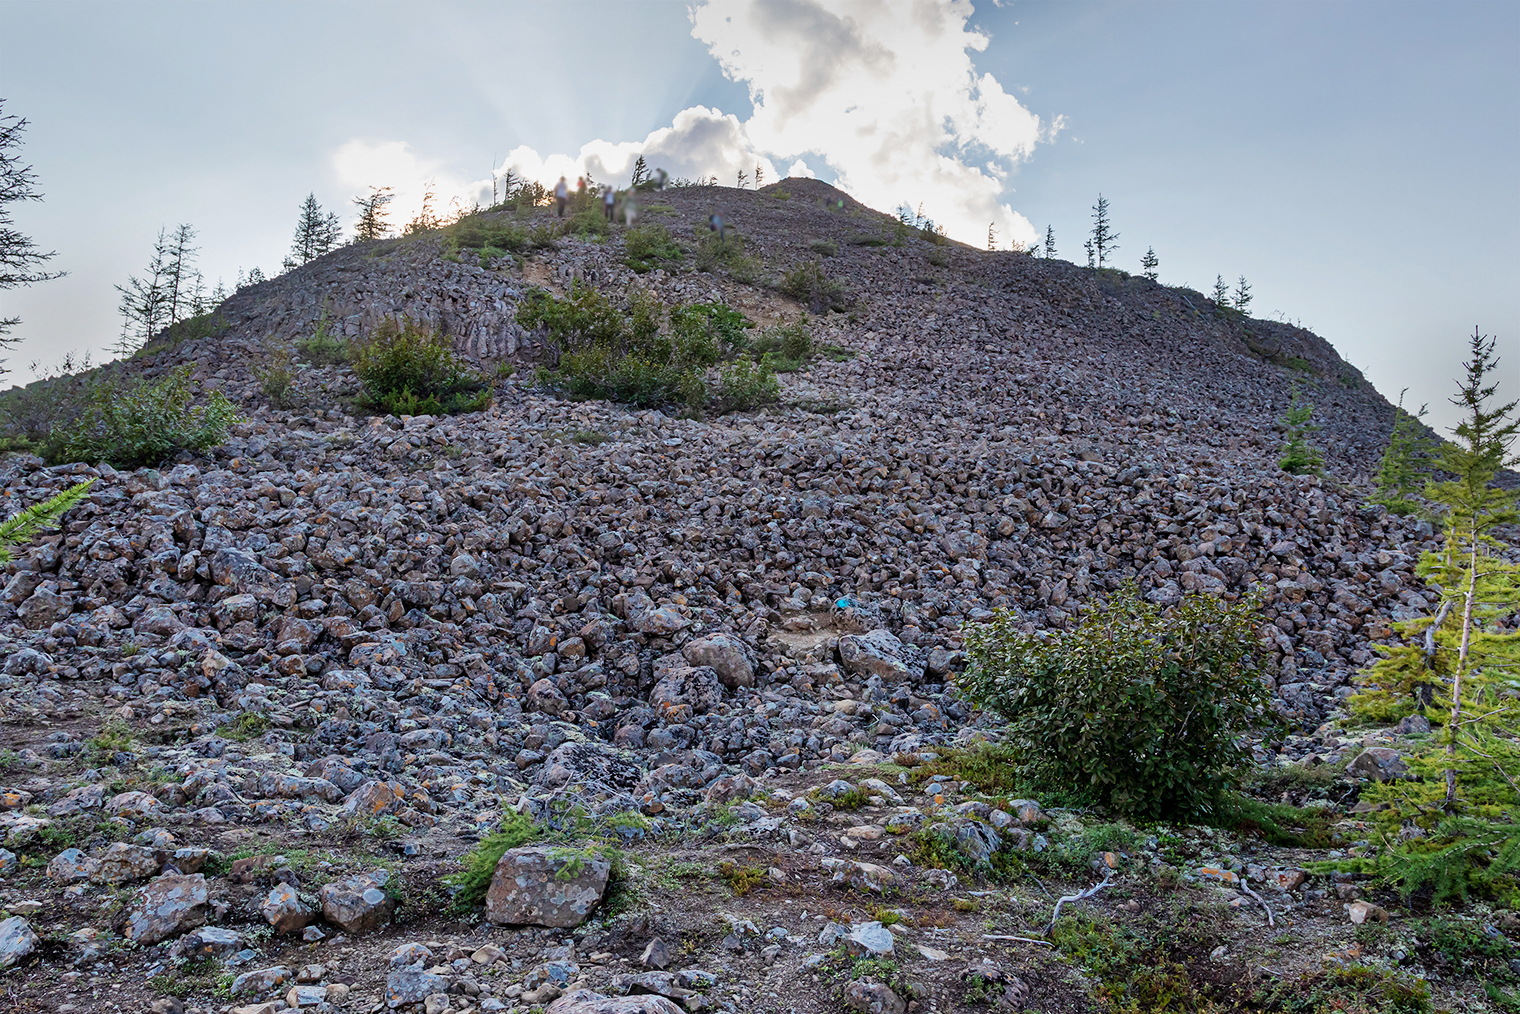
726,655
358,904
71,865
869,938
17,941
261,981
284,910
45,608
1378,763
167,907
873,998
696,687
123,862
412,984
878,653
584,1001
545,886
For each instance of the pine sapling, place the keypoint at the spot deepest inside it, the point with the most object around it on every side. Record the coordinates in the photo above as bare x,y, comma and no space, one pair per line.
1221,294
1299,456
1242,301
1149,263
1402,472
1050,241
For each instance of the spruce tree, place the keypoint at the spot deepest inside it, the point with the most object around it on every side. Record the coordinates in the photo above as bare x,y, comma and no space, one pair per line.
1405,463
1050,241
180,274
640,172
759,175
1299,456
21,260
372,223
1461,664
1087,245
1242,302
1221,294
743,179
1149,263
144,303
991,237
1104,240
316,233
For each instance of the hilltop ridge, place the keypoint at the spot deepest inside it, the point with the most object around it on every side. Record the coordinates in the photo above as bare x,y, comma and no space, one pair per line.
377,640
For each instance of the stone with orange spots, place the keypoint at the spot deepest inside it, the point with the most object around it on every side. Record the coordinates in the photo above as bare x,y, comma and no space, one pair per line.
375,798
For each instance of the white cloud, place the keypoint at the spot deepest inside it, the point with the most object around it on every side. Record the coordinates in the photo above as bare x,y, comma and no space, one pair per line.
359,165
884,92
699,142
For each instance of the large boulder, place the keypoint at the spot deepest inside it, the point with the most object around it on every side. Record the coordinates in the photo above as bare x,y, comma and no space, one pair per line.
696,687
123,862
17,941
726,655
879,653
45,608
1380,763
546,886
167,907
584,1001
358,904
284,910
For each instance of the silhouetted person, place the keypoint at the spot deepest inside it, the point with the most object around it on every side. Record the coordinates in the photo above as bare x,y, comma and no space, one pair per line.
715,223
609,202
561,195
660,176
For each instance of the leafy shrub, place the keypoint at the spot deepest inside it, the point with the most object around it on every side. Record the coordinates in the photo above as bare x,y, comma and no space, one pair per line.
787,346
727,255
143,424
807,283
1143,710
479,863
323,348
410,370
588,224
745,385
476,232
633,353
824,247
277,377
649,246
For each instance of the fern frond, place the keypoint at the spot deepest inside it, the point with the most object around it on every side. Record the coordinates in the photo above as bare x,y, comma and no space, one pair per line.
31,522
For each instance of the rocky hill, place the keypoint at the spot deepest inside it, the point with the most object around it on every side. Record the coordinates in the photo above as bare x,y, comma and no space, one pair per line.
267,695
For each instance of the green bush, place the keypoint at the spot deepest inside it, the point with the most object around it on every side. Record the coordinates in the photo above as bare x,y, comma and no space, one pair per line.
807,283
143,424
1144,711
54,399
479,863
727,255
476,232
588,224
277,377
649,247
205,325
323,348
409,370
633,353
785,346
824,247
745,385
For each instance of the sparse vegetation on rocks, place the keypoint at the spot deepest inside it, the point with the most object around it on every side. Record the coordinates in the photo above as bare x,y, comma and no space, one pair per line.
274,712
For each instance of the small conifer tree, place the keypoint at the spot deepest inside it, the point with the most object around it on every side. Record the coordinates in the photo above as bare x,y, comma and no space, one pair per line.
759,176
1050,241
1401,473
372,223
1452,825
1242,301
1221,294
1299,456
640,172
991,237
743,179
1104,240
1088,246
1149,263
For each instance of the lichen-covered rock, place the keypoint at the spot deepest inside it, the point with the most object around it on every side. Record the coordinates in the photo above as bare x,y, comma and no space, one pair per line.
873,998
546,886
1379,763
878,653
167,907
122,862
696,688
17,941
358,904
726,655
284,910
584,1001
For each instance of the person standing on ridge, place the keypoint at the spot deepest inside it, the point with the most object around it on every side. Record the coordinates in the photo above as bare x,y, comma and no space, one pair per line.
561,195
609,202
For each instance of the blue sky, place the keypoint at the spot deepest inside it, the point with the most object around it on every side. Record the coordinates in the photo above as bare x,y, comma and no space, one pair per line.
1355,161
